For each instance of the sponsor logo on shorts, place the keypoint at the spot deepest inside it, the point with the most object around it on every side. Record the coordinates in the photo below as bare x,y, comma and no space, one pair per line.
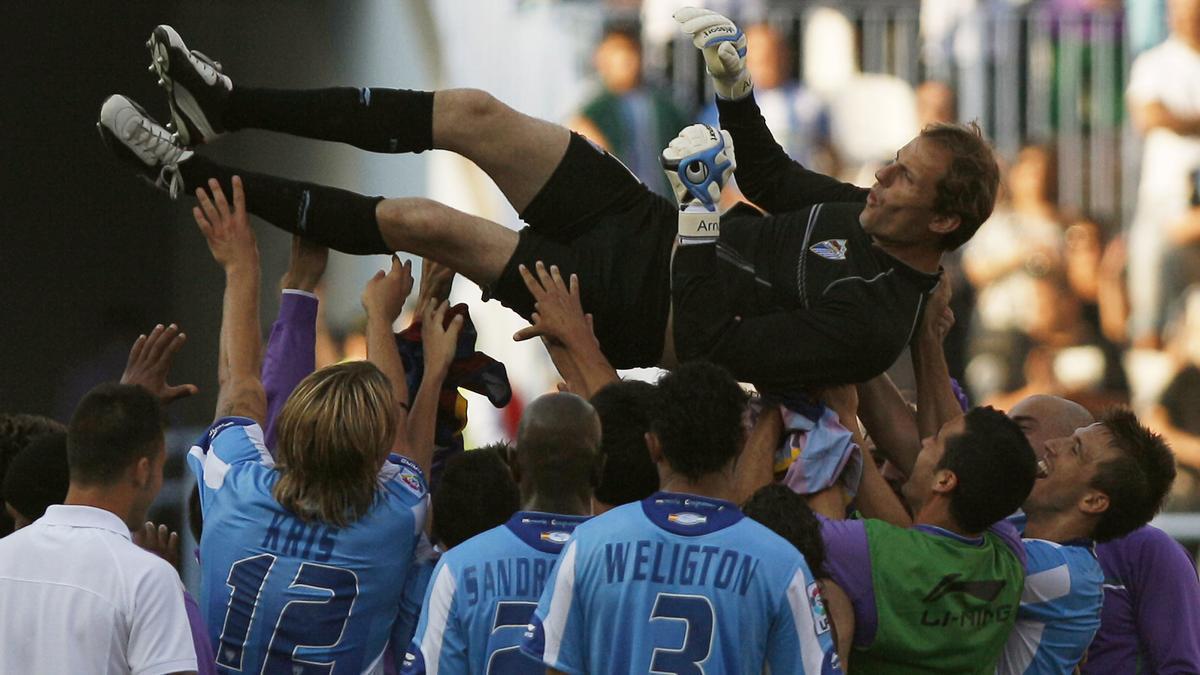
688,519
830,249
817,604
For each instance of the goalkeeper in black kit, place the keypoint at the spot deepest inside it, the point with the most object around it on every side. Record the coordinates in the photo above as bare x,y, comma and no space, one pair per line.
825,288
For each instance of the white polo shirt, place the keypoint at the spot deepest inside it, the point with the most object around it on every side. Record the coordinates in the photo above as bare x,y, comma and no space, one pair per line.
78,596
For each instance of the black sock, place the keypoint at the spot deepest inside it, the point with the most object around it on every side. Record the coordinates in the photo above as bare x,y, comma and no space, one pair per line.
379,120
342,220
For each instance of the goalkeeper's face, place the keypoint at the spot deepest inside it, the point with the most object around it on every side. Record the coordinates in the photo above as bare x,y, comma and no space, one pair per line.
900,206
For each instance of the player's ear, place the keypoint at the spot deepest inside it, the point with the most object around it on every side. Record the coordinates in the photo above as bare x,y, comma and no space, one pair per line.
1094,502
944,481
654,446
141,470
944,224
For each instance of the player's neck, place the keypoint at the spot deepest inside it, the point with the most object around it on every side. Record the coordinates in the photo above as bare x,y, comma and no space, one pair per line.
920,257
936,513
563,505
1058,527
718,485
114,500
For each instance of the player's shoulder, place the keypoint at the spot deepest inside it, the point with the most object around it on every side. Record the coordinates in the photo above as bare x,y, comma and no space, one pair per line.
401,478
756,538
487,544
1077,560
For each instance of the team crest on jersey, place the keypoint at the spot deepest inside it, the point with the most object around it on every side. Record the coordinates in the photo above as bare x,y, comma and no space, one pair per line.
556,537
830,249
410,479
817,604
688,519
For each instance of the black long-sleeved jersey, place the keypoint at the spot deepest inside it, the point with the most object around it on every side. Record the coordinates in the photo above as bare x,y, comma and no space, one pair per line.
800,297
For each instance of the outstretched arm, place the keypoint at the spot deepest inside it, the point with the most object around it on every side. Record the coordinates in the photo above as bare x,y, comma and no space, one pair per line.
559,318
233,246
889,421
383,299
936,402
440,342
766,175
291,347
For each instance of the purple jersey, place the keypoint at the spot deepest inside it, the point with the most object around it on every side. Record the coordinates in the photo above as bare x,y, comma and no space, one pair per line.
1150,622
291,353
206,661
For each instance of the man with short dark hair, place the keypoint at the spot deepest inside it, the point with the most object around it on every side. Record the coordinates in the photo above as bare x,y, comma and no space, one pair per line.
16,432
824,290
629,476
1097,480
78,595
484,590
37,478
682,578
940,596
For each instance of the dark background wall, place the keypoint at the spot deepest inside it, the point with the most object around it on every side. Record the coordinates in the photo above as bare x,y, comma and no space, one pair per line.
89,256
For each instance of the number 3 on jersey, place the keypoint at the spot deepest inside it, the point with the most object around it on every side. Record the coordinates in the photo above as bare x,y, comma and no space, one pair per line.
303,624
682,656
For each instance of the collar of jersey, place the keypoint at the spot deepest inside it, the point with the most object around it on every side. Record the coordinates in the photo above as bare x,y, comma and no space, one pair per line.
532,526
943,532
717,514
78,515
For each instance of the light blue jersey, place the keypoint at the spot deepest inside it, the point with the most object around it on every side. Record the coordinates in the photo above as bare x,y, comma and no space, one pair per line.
1059,612
482,597
283,595
680,584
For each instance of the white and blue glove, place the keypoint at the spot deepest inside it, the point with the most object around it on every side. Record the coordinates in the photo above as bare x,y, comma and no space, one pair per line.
699,162
724,47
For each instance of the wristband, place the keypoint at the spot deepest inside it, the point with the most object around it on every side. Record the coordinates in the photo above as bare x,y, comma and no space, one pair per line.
698,225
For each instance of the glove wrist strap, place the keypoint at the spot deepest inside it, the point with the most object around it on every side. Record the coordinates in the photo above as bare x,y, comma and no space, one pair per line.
698,225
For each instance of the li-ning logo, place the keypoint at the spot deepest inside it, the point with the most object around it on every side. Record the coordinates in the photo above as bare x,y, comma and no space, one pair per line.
983,590
556,537
688,519
830,249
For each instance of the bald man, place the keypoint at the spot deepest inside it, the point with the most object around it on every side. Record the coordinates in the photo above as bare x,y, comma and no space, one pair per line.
1090,477
485,589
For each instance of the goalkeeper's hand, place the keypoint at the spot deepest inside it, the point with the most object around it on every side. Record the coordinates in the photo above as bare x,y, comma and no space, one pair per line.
699,162
724,47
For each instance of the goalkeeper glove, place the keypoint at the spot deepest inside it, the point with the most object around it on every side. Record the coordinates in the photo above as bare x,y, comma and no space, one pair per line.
698,163
724,47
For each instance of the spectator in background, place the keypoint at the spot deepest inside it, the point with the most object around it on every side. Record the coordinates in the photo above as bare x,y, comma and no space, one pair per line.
37,478
78,595
17,431
1165,109
627,118
1021,243
1176,414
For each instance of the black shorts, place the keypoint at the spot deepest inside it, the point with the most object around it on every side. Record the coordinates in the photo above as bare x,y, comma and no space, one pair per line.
595,219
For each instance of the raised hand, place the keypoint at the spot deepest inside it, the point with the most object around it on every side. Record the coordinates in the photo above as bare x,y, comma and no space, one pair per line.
699,162
227,230
558,312
150,363
440,341
724,48
159,540
385,293
436,280
306,265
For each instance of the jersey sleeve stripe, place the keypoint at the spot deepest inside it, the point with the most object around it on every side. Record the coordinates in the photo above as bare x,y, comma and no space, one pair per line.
1047,585
560,605
811,652
441,600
